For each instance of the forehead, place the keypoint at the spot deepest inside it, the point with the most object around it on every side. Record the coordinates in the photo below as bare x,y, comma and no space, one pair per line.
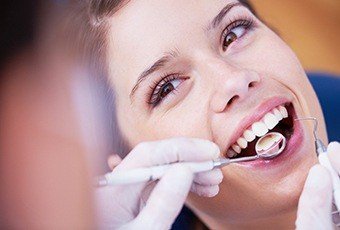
143,30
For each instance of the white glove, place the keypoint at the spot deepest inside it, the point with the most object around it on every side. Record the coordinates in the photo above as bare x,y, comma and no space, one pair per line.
119,206
315,204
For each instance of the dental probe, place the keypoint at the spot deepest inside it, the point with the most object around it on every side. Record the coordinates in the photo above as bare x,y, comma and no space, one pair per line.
321,152
156,172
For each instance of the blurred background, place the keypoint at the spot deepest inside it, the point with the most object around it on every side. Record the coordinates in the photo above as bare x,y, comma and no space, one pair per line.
310,27
53,123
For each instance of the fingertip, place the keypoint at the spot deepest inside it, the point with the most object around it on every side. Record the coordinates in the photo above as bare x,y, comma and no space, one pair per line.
211,191
334,144
209,178
220,173
218,177
333,151
216,151
214,191
205,191
209,148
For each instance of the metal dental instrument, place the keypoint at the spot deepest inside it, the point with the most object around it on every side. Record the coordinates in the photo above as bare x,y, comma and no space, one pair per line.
263,150
319,146
321,152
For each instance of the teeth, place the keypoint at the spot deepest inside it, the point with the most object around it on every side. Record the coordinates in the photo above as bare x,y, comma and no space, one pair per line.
249,135
236,148
231,153
259,128
283,111
270,120
242,143
277,114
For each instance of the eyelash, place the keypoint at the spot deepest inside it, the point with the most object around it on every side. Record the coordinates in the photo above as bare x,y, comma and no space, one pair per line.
246,23
154,98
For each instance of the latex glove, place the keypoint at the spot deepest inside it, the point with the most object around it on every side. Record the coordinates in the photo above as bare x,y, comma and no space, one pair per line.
315,204
120,206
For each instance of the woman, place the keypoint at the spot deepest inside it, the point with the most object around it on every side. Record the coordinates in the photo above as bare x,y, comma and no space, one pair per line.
212,70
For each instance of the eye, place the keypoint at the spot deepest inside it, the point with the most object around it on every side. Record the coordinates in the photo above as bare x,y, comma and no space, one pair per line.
166,86
235,31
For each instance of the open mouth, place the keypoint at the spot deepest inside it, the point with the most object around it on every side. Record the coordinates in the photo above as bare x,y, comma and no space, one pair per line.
280,119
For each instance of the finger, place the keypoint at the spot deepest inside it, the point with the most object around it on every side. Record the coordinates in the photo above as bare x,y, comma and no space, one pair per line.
109,200
205,191
146,194
213,177
169,151
315,202
166,200
113,161
333,150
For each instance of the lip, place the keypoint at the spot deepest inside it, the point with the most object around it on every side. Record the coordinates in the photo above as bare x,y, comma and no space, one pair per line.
256,115
293,145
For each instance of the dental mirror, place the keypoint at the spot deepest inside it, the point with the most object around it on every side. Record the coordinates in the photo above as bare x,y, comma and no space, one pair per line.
270,145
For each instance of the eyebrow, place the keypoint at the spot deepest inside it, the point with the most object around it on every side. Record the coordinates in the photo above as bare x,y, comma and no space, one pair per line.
164,60
218,18
160,63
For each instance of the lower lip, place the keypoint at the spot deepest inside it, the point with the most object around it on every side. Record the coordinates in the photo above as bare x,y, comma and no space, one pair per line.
293,146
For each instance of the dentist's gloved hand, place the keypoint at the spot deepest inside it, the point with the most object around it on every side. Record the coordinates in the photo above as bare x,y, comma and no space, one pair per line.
315,204
141,206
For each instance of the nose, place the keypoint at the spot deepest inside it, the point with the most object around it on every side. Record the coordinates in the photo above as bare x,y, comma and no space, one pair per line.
231,85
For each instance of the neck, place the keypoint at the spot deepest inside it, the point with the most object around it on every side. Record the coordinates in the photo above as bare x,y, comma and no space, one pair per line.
283,221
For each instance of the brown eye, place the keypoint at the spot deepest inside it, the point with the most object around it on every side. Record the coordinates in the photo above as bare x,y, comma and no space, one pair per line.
231,37
166,90
167,86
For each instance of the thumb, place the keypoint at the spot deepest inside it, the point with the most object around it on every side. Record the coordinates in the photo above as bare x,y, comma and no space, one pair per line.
166,200
315,204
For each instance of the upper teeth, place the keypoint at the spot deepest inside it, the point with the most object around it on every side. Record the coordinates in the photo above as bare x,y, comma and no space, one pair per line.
258,128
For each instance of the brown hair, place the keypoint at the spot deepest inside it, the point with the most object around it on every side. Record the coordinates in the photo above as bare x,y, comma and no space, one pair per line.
91,20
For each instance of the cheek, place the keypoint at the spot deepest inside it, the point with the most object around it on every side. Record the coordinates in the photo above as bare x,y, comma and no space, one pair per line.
189,120
179,122
272,57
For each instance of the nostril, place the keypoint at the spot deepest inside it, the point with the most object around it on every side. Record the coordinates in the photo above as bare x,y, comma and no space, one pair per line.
252,84
234,98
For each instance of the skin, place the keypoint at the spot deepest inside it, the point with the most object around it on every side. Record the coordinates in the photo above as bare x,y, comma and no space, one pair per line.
203,106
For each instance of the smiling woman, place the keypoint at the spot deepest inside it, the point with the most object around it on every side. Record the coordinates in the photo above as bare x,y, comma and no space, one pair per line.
210,70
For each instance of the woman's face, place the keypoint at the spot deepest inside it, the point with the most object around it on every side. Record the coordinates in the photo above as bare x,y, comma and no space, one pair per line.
211,69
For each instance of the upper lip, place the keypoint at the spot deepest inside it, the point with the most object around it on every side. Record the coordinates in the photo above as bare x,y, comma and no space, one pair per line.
255,115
